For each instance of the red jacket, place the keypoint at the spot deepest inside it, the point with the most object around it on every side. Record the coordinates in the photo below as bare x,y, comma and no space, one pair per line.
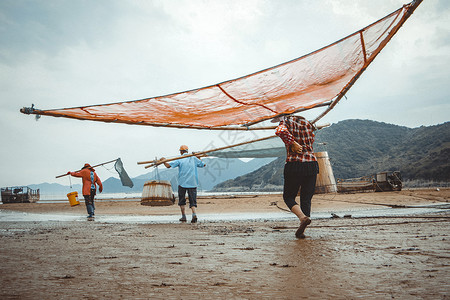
85,175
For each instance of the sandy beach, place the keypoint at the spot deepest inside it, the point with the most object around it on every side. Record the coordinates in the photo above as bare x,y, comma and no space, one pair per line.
401,250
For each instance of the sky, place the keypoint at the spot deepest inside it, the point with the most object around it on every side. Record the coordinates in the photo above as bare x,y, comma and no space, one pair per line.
69,53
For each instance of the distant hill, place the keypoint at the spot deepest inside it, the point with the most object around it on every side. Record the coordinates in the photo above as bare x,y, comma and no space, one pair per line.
217,170
361,147
54,188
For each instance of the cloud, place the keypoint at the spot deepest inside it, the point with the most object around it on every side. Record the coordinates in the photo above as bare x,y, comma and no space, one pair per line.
49,27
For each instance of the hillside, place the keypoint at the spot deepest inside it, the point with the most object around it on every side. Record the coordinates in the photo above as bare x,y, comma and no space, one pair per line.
361,147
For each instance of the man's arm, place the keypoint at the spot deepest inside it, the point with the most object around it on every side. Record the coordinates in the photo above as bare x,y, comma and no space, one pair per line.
288,138
74,174
99,182
200,163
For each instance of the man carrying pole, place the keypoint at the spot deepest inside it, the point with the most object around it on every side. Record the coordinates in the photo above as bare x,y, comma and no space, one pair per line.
187,181
90,181
301,167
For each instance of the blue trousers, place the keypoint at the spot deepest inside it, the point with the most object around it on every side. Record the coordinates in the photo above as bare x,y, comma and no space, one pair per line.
89,201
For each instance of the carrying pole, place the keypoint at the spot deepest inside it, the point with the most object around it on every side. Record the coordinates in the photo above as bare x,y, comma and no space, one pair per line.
108,162
154,163
410,9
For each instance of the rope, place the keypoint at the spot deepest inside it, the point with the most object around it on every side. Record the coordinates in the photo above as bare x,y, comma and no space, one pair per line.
275,204
109,170
439,219
157,177
379,224
370,203
382,204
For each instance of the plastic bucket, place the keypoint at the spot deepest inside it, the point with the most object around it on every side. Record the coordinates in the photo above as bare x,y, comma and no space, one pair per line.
73,198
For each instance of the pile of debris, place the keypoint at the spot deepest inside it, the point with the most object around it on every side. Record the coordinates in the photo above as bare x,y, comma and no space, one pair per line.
21,194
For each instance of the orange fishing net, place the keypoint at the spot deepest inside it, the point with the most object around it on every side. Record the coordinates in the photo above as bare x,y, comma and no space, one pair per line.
317,79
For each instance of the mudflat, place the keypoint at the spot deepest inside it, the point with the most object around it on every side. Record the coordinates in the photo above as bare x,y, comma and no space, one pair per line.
402,256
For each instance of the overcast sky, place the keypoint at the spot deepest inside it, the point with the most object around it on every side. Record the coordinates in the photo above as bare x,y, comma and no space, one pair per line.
69,53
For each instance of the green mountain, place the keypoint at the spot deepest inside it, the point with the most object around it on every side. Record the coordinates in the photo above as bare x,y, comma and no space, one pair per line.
362,147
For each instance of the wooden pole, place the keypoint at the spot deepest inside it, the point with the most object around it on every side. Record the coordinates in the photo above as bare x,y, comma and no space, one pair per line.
201,153
154,163
108,162
410,9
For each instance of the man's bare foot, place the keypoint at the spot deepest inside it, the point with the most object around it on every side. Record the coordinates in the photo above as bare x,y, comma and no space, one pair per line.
301,229
301,236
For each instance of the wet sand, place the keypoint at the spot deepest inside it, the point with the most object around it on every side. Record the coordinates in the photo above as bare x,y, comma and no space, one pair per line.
403,257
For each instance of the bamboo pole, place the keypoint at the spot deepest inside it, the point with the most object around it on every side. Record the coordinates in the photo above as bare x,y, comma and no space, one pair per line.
410,9
244,127
108,162
154,163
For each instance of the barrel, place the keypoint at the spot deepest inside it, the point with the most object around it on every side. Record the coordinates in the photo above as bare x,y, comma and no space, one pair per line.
73,198
157,193
325,182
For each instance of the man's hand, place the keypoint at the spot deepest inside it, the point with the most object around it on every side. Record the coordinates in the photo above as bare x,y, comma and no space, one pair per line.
199,156
296,147
161,162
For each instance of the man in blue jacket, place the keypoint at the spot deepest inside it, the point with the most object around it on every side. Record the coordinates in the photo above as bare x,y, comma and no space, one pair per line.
187,181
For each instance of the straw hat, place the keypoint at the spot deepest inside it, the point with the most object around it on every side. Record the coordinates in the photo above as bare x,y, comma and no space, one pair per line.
87,166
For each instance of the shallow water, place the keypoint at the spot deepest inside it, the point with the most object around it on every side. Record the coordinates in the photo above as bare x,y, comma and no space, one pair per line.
12,216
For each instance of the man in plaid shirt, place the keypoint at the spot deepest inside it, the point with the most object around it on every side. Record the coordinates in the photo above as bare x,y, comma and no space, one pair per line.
301,168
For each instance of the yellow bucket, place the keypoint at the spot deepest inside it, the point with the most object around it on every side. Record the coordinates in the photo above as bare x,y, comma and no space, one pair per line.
73,198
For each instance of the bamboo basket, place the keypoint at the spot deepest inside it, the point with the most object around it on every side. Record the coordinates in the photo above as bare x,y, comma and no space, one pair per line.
157,193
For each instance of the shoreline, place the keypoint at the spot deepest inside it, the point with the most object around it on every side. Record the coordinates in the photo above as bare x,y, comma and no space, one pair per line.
248,203
254,208
56,197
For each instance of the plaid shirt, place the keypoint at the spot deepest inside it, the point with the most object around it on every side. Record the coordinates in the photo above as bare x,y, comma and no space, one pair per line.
300,130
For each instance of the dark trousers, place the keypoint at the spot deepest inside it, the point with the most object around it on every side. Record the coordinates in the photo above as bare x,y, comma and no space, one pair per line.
192,194
300,176
89,201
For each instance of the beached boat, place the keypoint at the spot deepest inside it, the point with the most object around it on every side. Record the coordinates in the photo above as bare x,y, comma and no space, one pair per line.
19,194
356,185
380,182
